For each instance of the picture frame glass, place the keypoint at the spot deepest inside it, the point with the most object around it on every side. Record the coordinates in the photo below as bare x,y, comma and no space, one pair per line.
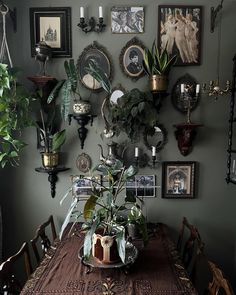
53,26
82,185
179,31
141,186
97,53
178,180
128,19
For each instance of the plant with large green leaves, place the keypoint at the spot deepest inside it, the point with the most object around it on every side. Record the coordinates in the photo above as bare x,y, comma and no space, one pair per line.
14,115
67,89
106,210
157,62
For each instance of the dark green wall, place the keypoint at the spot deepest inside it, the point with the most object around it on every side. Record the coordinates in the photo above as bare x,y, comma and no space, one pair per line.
25,194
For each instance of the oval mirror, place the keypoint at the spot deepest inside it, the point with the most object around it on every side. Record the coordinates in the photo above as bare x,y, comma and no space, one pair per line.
155,136
117,92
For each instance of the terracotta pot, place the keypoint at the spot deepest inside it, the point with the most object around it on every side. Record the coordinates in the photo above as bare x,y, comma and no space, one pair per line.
104,249
82,107
158,83
50,160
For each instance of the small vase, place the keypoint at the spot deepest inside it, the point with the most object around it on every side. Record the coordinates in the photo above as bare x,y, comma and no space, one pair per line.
50,160
158,83
105,249
82,107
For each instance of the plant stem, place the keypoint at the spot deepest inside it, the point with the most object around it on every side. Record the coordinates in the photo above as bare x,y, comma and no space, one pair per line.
45,133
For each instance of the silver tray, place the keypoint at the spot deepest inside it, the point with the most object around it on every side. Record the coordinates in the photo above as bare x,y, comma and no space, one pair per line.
131,254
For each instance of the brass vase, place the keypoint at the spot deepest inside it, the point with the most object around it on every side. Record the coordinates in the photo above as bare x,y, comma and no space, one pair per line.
50,160
158,83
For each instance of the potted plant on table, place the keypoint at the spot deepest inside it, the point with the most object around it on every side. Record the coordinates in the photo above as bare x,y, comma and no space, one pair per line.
106,216
157,65
67,89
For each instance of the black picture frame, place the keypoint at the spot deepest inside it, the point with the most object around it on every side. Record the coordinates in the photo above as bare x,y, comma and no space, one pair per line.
178,180
134,49
52,20
179,30
102,57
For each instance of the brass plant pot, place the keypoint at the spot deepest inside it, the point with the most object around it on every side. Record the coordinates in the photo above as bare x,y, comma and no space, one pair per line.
50,160
158,83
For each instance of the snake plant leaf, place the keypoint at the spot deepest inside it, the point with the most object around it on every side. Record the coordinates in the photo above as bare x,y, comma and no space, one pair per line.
73,75
66,96
58,140
54,93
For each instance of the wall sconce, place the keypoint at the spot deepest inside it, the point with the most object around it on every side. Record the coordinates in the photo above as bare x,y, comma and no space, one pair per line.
214,88
214,13
143,160
91,26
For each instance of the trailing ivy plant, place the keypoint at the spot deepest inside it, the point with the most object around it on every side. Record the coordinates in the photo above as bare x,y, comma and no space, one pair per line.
14,115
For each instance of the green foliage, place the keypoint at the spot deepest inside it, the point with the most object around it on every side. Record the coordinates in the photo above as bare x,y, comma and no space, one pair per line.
105,210
14,116
66,89
134,112
156,62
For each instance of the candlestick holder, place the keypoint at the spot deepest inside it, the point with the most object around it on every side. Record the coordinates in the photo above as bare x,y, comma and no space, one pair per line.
92,26
144,161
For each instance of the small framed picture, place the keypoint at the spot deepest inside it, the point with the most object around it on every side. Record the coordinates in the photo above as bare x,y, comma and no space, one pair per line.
128,19
141,186
98,53
131,59
179,31
52,25
178,180
82,185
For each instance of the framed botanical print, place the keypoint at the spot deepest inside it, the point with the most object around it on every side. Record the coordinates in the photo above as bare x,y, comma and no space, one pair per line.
179,31
131,59
178,180
127,19
99,54
53,26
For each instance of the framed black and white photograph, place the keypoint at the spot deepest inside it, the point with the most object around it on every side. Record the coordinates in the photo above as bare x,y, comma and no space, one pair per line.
131,59
179,31
82,185
141,186
127,19
53,26
100,55
178,180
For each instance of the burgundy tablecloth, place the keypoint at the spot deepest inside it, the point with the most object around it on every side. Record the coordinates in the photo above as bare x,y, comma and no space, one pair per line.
157,270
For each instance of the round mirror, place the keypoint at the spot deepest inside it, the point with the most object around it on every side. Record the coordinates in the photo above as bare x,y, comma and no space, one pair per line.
117,92
155,136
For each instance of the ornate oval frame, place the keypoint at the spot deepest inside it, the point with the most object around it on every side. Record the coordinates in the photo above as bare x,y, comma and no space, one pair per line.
101,55
130,69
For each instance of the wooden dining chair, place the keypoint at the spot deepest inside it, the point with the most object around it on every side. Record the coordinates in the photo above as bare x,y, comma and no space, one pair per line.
219,283
42,237
12,274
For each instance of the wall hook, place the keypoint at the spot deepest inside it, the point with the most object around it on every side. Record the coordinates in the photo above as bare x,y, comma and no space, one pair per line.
214,13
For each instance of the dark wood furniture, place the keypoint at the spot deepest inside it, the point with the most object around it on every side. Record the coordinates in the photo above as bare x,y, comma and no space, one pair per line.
157,270
42,236
10,282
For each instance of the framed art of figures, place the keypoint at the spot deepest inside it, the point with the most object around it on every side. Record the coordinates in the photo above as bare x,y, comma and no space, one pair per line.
131,59
141,186
82,185
52,25
179,31
178,180
127,19
100,55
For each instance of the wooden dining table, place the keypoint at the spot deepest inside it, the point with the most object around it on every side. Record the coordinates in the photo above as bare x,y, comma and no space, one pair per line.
157,270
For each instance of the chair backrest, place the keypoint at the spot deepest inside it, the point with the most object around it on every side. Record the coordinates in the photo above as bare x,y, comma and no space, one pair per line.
219,282
10,284
42,236
189,244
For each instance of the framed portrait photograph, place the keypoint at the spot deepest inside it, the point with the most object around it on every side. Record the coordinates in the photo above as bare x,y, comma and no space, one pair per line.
128,19
131,59
179,31
82,185
141,186
98,53
178,180
53,26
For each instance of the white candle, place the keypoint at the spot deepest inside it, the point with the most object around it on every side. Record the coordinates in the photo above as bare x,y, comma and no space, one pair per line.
182,88
153,151
197,88
233,169
136,152
100,14
81,12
